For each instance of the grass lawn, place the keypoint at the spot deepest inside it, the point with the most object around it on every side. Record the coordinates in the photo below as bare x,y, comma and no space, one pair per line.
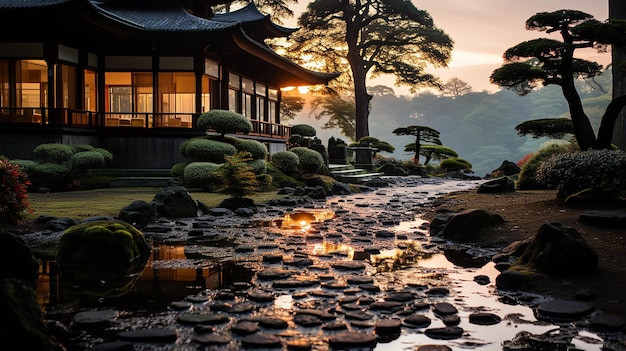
109,201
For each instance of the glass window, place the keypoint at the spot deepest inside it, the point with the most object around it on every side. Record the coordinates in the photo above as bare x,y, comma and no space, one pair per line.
5,83
32,82
211,68
68,84
90,90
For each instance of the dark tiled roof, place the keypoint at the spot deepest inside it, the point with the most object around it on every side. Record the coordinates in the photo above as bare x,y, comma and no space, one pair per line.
156,15
248,13
16,4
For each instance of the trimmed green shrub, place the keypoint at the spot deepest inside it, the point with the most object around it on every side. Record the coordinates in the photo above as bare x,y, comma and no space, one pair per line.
286,161
178,170
257,150
51,175
54,153
310,161
201,175
13,193
224,121
603,171
265,182
81,148
258,166
453,164
27,166
527,179
304,130
280,179
108,156
204,150
87,159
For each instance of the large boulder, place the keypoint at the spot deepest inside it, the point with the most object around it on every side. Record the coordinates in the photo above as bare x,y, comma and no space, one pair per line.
139,213
506,169
104,243
175,202
466,225
558,250
498,185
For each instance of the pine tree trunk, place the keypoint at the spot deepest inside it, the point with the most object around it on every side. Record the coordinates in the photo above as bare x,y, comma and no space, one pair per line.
617,10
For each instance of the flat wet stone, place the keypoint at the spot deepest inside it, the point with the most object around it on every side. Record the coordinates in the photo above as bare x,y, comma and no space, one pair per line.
388,326
151,334
323,315
437,291
482,279
444,308
359,280
349,265
447,333
358,315
484,318
295,283
261,341
417,321
335,326
180,305
433,348
387,306
245,327
298,345
202,318
273,323
352,339
212,339
400,297
565,309
94,318
307,320
273,274
451,320
260,296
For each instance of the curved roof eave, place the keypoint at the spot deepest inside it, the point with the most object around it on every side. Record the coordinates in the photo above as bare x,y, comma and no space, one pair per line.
250,15
247,44
156,16
12,4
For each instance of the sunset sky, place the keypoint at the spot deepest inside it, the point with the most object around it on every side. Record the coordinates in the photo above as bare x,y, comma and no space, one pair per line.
483,29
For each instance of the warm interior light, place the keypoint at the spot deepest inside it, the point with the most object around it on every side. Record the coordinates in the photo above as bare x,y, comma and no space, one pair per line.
303,90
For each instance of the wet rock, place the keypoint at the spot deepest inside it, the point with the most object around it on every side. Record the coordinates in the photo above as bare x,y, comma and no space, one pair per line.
358,280
465,225
175,202
564,309
261,341
400,296
301,282
388,326
610,219
273,323
606,322
245,327
515,280
298,345
451,320
444,308
417,321
484,318
306,320
447,333
352,339
139,213
89,319
349,265
273,274
202,318
260,296
499,185
391,306
272,258
558,250
482,279
17,260
433,348
113,346
358,315
437,291
150,334
212,339
322,315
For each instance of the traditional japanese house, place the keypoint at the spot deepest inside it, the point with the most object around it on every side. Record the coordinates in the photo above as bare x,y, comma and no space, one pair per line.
132,76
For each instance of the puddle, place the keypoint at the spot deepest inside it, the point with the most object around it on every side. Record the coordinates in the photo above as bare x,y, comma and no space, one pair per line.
364,232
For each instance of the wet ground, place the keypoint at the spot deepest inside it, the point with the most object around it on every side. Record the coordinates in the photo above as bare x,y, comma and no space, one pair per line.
356,271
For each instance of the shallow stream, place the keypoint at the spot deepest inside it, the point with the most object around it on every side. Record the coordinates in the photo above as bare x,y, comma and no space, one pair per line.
359,260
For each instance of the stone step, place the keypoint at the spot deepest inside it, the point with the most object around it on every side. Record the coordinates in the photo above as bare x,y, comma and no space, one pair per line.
140,182
360,178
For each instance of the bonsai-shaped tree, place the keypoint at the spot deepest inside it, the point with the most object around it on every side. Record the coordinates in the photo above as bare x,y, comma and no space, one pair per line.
376,143
554,128
239,179
223,121
422,135
301,135
433,152
546,61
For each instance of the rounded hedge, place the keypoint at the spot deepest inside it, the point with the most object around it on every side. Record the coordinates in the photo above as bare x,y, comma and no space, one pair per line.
108,156
257,150
204,150
82,147
53,152
258,166
200,174
86,160
27,166
51,170
178,170
527,179
224,121
455,164
286,161
310,161
304,130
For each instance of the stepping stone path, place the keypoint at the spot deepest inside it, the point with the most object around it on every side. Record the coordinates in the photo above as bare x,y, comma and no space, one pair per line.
321,289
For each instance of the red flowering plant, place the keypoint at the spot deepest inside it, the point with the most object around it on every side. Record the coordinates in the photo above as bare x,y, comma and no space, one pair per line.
13,193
